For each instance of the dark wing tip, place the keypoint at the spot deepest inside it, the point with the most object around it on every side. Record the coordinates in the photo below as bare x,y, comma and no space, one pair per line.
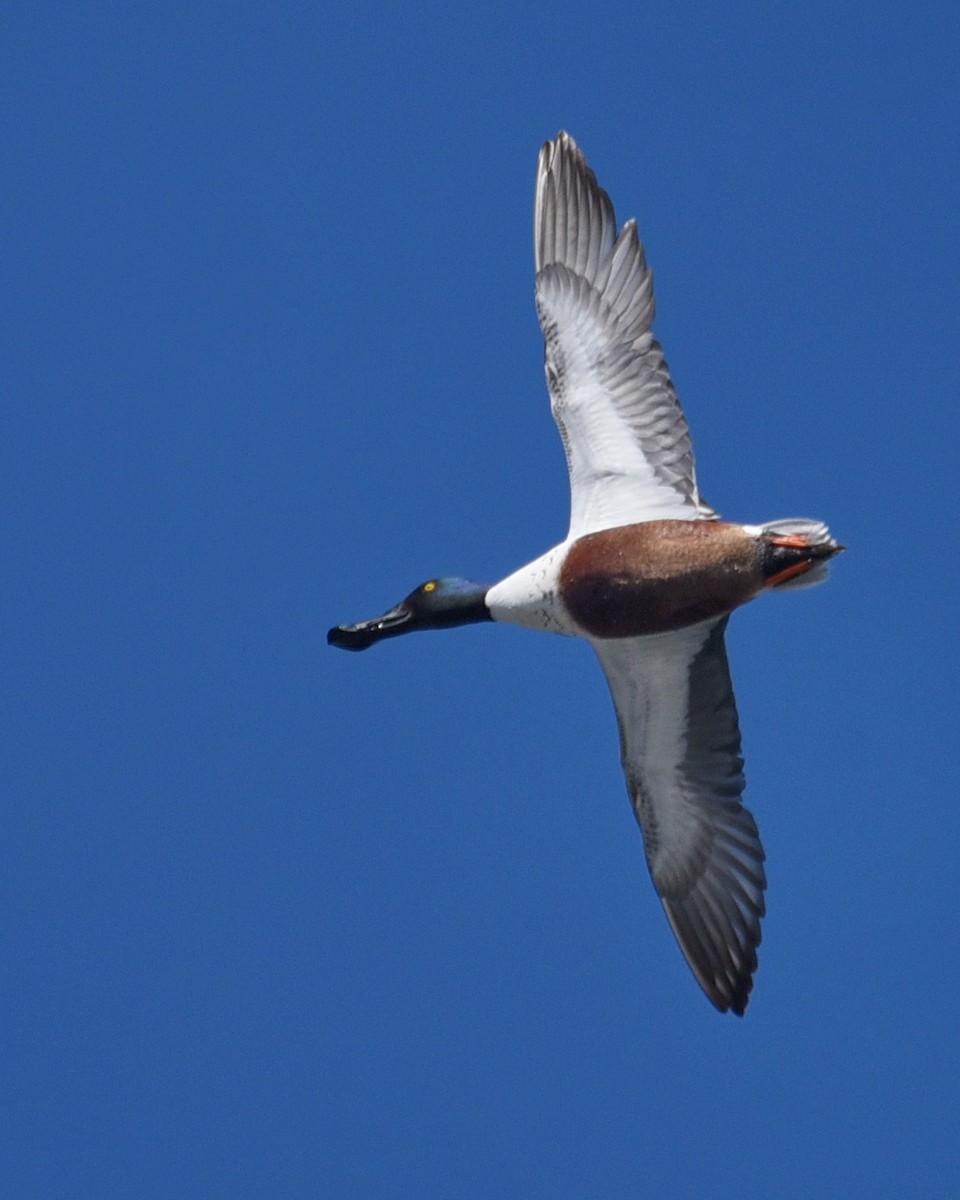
574,221
719,936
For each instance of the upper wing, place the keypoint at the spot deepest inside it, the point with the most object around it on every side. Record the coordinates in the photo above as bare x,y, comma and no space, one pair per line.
625,436
680,743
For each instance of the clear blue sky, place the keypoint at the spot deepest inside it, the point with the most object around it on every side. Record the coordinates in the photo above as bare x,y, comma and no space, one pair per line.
279,921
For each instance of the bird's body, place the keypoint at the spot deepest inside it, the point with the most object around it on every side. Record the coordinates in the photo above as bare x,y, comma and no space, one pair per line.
653,576
647,574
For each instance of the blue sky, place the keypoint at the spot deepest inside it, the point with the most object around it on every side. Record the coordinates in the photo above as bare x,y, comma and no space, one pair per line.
282,921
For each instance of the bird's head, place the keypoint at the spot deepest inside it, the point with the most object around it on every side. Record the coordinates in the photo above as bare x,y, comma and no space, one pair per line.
436,604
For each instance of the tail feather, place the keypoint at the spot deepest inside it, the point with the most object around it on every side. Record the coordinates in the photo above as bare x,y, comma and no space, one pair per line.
797,552
816,532
816,575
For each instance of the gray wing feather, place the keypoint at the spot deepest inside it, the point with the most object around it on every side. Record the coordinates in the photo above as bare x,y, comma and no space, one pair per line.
680,742
626,438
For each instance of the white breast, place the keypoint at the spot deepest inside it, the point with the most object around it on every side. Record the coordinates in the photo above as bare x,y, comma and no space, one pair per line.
531,596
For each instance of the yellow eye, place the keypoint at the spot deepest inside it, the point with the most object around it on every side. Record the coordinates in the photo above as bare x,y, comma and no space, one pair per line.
431,586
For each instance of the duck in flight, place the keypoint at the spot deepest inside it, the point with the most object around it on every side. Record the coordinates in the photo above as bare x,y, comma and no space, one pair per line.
647,574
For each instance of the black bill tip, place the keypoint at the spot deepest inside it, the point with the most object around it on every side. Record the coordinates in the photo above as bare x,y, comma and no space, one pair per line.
351,637
365,633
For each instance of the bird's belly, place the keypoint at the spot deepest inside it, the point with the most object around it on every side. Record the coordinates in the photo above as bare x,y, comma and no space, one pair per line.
657,577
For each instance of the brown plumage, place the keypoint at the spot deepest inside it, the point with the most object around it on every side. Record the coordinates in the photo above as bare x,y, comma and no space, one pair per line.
659,575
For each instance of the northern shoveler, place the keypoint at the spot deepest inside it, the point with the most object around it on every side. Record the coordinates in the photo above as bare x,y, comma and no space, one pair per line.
647,574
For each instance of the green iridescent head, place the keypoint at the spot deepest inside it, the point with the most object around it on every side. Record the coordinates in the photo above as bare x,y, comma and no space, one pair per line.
436,604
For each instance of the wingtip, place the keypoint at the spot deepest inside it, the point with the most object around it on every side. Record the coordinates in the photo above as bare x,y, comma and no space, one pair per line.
724,966
562,146
574,220
553,152
733,1000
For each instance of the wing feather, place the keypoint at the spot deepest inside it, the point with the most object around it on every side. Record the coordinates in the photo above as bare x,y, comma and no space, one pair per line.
625,436
680,744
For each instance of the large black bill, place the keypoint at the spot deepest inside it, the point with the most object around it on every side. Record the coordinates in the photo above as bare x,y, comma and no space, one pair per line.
365,633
